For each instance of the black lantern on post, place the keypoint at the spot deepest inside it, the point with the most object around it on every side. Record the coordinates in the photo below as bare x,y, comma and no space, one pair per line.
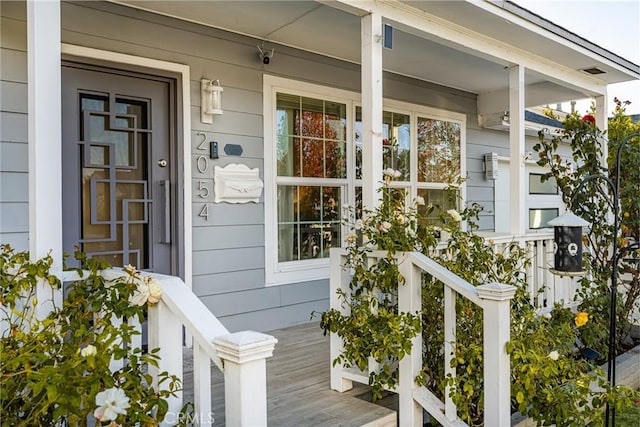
567,236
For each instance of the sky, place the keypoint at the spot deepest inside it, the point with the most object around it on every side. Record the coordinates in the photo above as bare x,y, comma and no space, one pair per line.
611,24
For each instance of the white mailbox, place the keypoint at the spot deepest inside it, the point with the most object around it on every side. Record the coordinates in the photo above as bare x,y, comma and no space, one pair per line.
237,183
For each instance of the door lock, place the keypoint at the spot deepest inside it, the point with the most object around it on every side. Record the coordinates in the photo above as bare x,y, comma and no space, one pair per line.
162,163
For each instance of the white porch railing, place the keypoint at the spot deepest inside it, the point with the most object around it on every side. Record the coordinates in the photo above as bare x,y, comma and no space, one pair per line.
240,356
545,288
494,298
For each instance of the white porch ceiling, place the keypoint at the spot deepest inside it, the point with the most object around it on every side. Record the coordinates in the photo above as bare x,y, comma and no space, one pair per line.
324,29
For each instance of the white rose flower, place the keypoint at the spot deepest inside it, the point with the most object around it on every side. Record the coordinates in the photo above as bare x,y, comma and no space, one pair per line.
359,224
129,269
390,172
397,174
155,291
419,200
385,227
111,402
89,350
554,355
455,215
351,239
140,295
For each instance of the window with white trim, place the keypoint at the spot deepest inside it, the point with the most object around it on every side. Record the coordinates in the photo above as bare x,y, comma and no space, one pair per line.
313,166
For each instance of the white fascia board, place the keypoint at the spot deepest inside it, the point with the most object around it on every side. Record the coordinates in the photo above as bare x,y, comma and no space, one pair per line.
420,23
530,26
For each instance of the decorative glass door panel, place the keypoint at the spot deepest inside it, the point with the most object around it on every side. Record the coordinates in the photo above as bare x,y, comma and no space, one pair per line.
116,167
115,194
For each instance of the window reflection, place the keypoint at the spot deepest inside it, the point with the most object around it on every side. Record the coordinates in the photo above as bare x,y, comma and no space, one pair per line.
308,221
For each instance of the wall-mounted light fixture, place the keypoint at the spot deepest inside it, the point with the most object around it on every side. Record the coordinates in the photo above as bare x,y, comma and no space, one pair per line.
210,100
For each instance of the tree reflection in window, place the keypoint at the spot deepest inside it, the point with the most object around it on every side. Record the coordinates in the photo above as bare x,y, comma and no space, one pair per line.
311,146
438,150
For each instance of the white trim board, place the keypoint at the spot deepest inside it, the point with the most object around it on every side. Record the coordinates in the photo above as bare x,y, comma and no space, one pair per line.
184,72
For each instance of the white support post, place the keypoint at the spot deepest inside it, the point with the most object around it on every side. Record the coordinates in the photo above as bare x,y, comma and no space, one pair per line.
165,333
338,280
496,299
245,376
371,38
202,386
45,141
602,122
517,189
410,301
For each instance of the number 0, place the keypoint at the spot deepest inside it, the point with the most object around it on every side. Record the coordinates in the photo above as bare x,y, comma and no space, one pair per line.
202,164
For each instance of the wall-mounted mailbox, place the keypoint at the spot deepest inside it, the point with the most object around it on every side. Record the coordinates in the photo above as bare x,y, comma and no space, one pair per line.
237,183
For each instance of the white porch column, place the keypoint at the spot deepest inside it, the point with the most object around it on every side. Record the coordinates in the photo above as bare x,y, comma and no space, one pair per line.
371,38
496,299
517,189
45,139
244,356
602,122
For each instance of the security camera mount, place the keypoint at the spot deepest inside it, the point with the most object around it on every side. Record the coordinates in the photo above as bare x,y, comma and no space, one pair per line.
265,54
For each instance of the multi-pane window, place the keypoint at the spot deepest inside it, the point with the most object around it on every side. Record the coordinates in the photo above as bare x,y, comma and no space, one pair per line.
311,173
313,166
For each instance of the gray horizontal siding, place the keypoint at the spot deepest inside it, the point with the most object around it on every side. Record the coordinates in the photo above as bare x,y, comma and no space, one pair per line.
275,318
14,217
13,97
13,127
231,236
14,157
227,260
228,214
251,146
14,187
18,241
13,67
235,99
14,163
218,283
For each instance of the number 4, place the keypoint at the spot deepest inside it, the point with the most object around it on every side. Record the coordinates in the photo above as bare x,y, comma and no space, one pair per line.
204,212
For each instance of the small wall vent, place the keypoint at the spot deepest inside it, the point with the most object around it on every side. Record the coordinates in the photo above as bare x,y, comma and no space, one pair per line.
593,71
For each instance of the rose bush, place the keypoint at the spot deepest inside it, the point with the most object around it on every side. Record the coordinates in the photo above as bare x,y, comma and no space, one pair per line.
551,382
58,370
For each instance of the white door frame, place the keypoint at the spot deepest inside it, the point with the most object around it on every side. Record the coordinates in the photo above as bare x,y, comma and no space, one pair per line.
185,139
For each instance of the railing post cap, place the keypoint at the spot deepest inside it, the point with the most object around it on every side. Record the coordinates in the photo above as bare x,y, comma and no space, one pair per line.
245,346
496,291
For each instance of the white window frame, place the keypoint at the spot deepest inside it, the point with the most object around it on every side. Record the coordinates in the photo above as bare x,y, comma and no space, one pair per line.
277,273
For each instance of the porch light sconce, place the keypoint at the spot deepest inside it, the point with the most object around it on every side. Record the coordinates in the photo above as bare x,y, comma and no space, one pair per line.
567,244
491,166
210,100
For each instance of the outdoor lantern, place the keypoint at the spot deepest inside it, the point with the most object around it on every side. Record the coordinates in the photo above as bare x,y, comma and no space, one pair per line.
567,236
211,100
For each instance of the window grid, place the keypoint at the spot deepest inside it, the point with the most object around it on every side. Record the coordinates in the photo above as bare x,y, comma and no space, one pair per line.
400,117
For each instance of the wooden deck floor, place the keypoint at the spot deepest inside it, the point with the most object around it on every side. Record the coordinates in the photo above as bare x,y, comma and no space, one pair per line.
298,390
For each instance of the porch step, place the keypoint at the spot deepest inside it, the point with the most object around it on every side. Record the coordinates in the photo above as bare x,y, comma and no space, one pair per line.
298,391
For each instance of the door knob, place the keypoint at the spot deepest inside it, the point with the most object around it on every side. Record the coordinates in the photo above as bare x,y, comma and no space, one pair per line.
162,163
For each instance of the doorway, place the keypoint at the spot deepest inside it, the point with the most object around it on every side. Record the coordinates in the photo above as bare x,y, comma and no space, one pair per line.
119,173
